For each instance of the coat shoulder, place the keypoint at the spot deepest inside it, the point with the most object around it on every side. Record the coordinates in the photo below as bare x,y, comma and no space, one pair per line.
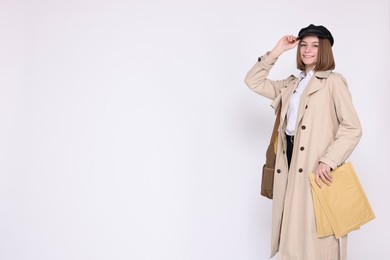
336,76
290,80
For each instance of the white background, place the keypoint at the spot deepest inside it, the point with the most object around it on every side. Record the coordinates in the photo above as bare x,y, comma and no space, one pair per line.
127,132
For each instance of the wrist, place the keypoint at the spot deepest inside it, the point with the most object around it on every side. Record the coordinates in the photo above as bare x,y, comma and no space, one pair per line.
275,53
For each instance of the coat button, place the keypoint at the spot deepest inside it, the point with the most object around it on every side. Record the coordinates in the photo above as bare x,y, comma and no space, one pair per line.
300,170
278,171
284,151
306,107
303,127
302,148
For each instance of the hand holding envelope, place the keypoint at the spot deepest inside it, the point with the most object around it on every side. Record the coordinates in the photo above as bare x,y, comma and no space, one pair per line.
342,206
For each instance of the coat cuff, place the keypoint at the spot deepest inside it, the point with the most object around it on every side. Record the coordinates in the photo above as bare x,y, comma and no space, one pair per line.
266,61
332,164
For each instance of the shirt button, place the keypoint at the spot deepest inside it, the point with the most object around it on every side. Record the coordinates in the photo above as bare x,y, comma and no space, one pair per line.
278,171
303,127
300,170
302,148
284,152
306,107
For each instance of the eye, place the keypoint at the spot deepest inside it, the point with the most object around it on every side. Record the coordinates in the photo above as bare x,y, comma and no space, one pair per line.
303,45
315,46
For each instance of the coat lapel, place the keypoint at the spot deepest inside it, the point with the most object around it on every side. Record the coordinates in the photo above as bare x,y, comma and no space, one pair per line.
316,83
282,101
285,97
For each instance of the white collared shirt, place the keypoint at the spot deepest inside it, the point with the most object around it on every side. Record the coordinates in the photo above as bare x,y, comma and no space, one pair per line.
292,111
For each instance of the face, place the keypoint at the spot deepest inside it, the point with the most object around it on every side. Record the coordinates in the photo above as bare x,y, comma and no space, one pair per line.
309,51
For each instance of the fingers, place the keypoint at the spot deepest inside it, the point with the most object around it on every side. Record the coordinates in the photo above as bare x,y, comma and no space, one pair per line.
287,42
295,43
325,178
318,181
290,41
323,174
328,177
291,38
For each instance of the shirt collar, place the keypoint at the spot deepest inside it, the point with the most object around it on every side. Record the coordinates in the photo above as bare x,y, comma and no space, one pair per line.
303,75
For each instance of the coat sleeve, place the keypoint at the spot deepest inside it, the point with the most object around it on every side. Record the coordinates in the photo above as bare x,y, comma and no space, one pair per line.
257,80
349,130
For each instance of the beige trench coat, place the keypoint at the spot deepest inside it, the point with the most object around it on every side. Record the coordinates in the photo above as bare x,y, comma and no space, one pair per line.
327,130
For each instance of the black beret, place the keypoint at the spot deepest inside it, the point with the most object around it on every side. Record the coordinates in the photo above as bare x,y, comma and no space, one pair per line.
319,31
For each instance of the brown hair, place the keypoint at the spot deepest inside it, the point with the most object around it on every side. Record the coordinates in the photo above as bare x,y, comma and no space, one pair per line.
325,59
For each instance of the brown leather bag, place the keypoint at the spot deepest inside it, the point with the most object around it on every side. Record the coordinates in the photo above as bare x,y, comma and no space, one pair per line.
267,179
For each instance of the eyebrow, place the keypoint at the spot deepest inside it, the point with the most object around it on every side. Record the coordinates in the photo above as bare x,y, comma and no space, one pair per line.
311,42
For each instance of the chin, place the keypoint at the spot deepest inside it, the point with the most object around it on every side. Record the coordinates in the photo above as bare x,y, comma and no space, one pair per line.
309,63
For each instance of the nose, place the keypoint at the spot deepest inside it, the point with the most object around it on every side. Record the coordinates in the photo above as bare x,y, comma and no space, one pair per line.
307,49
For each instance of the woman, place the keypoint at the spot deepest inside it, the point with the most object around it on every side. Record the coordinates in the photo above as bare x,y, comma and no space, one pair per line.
319,129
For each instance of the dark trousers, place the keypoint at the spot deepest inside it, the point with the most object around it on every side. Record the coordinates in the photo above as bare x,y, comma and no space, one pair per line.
290,146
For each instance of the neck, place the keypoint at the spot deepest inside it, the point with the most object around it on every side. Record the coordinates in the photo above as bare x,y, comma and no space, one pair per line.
309,68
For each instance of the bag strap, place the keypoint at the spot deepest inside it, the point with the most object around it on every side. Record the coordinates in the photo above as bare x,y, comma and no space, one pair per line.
276,126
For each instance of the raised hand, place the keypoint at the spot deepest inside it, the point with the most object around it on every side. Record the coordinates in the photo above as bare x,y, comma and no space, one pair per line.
286,43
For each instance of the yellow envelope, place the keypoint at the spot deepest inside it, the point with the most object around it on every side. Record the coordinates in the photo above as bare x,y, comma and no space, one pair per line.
341,207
